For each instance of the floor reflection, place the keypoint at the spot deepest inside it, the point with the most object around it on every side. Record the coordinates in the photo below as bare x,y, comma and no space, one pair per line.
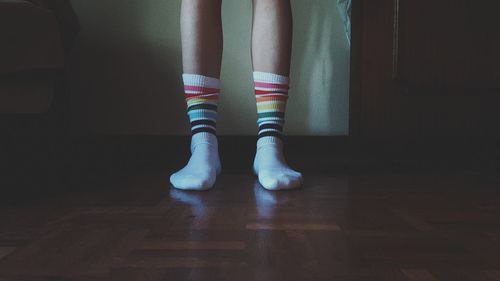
266,201
193,199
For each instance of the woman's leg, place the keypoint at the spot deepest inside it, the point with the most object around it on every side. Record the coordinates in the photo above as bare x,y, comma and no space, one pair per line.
201,32
272,36
271,54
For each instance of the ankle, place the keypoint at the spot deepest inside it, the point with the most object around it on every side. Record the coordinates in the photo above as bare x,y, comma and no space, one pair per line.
204,139
269,141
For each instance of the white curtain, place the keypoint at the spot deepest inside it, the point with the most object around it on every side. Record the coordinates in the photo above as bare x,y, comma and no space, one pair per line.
344,7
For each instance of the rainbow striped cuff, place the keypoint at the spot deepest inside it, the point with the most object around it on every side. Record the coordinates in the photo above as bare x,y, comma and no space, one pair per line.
271,93
202,96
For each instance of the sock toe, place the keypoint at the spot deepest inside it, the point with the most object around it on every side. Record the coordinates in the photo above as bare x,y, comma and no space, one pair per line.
268,182
294,181
295,177
191,181
290,181
274,180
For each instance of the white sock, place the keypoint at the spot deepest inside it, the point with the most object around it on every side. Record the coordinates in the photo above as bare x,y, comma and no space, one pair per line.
271,168
203,167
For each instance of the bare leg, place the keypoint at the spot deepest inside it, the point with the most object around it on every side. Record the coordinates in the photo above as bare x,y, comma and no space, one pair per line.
272,36
201,32
271,54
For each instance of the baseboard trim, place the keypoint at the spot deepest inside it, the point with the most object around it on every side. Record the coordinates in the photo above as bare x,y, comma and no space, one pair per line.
310,153
77,159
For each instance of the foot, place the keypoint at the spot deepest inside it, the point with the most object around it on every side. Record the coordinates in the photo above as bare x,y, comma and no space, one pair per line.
203,167
271,168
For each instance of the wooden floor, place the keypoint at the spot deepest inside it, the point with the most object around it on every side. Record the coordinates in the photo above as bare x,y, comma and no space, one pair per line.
408,226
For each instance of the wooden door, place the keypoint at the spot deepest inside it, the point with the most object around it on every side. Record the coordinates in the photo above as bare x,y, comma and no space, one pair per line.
425,69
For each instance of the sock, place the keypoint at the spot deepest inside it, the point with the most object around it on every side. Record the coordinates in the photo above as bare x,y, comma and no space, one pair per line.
271,92
201,171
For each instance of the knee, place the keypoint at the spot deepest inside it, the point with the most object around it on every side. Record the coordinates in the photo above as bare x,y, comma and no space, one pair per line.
213,3
272,2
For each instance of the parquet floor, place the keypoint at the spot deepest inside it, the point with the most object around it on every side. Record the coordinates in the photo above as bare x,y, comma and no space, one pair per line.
380,226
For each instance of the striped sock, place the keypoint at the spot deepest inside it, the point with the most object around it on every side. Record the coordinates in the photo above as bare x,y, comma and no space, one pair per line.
271,93
201,171
202,95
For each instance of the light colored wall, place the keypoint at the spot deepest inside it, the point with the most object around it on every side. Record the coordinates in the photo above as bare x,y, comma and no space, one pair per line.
126,66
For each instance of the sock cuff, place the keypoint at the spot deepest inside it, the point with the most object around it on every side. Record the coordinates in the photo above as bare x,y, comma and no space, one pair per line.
270,78
200,80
